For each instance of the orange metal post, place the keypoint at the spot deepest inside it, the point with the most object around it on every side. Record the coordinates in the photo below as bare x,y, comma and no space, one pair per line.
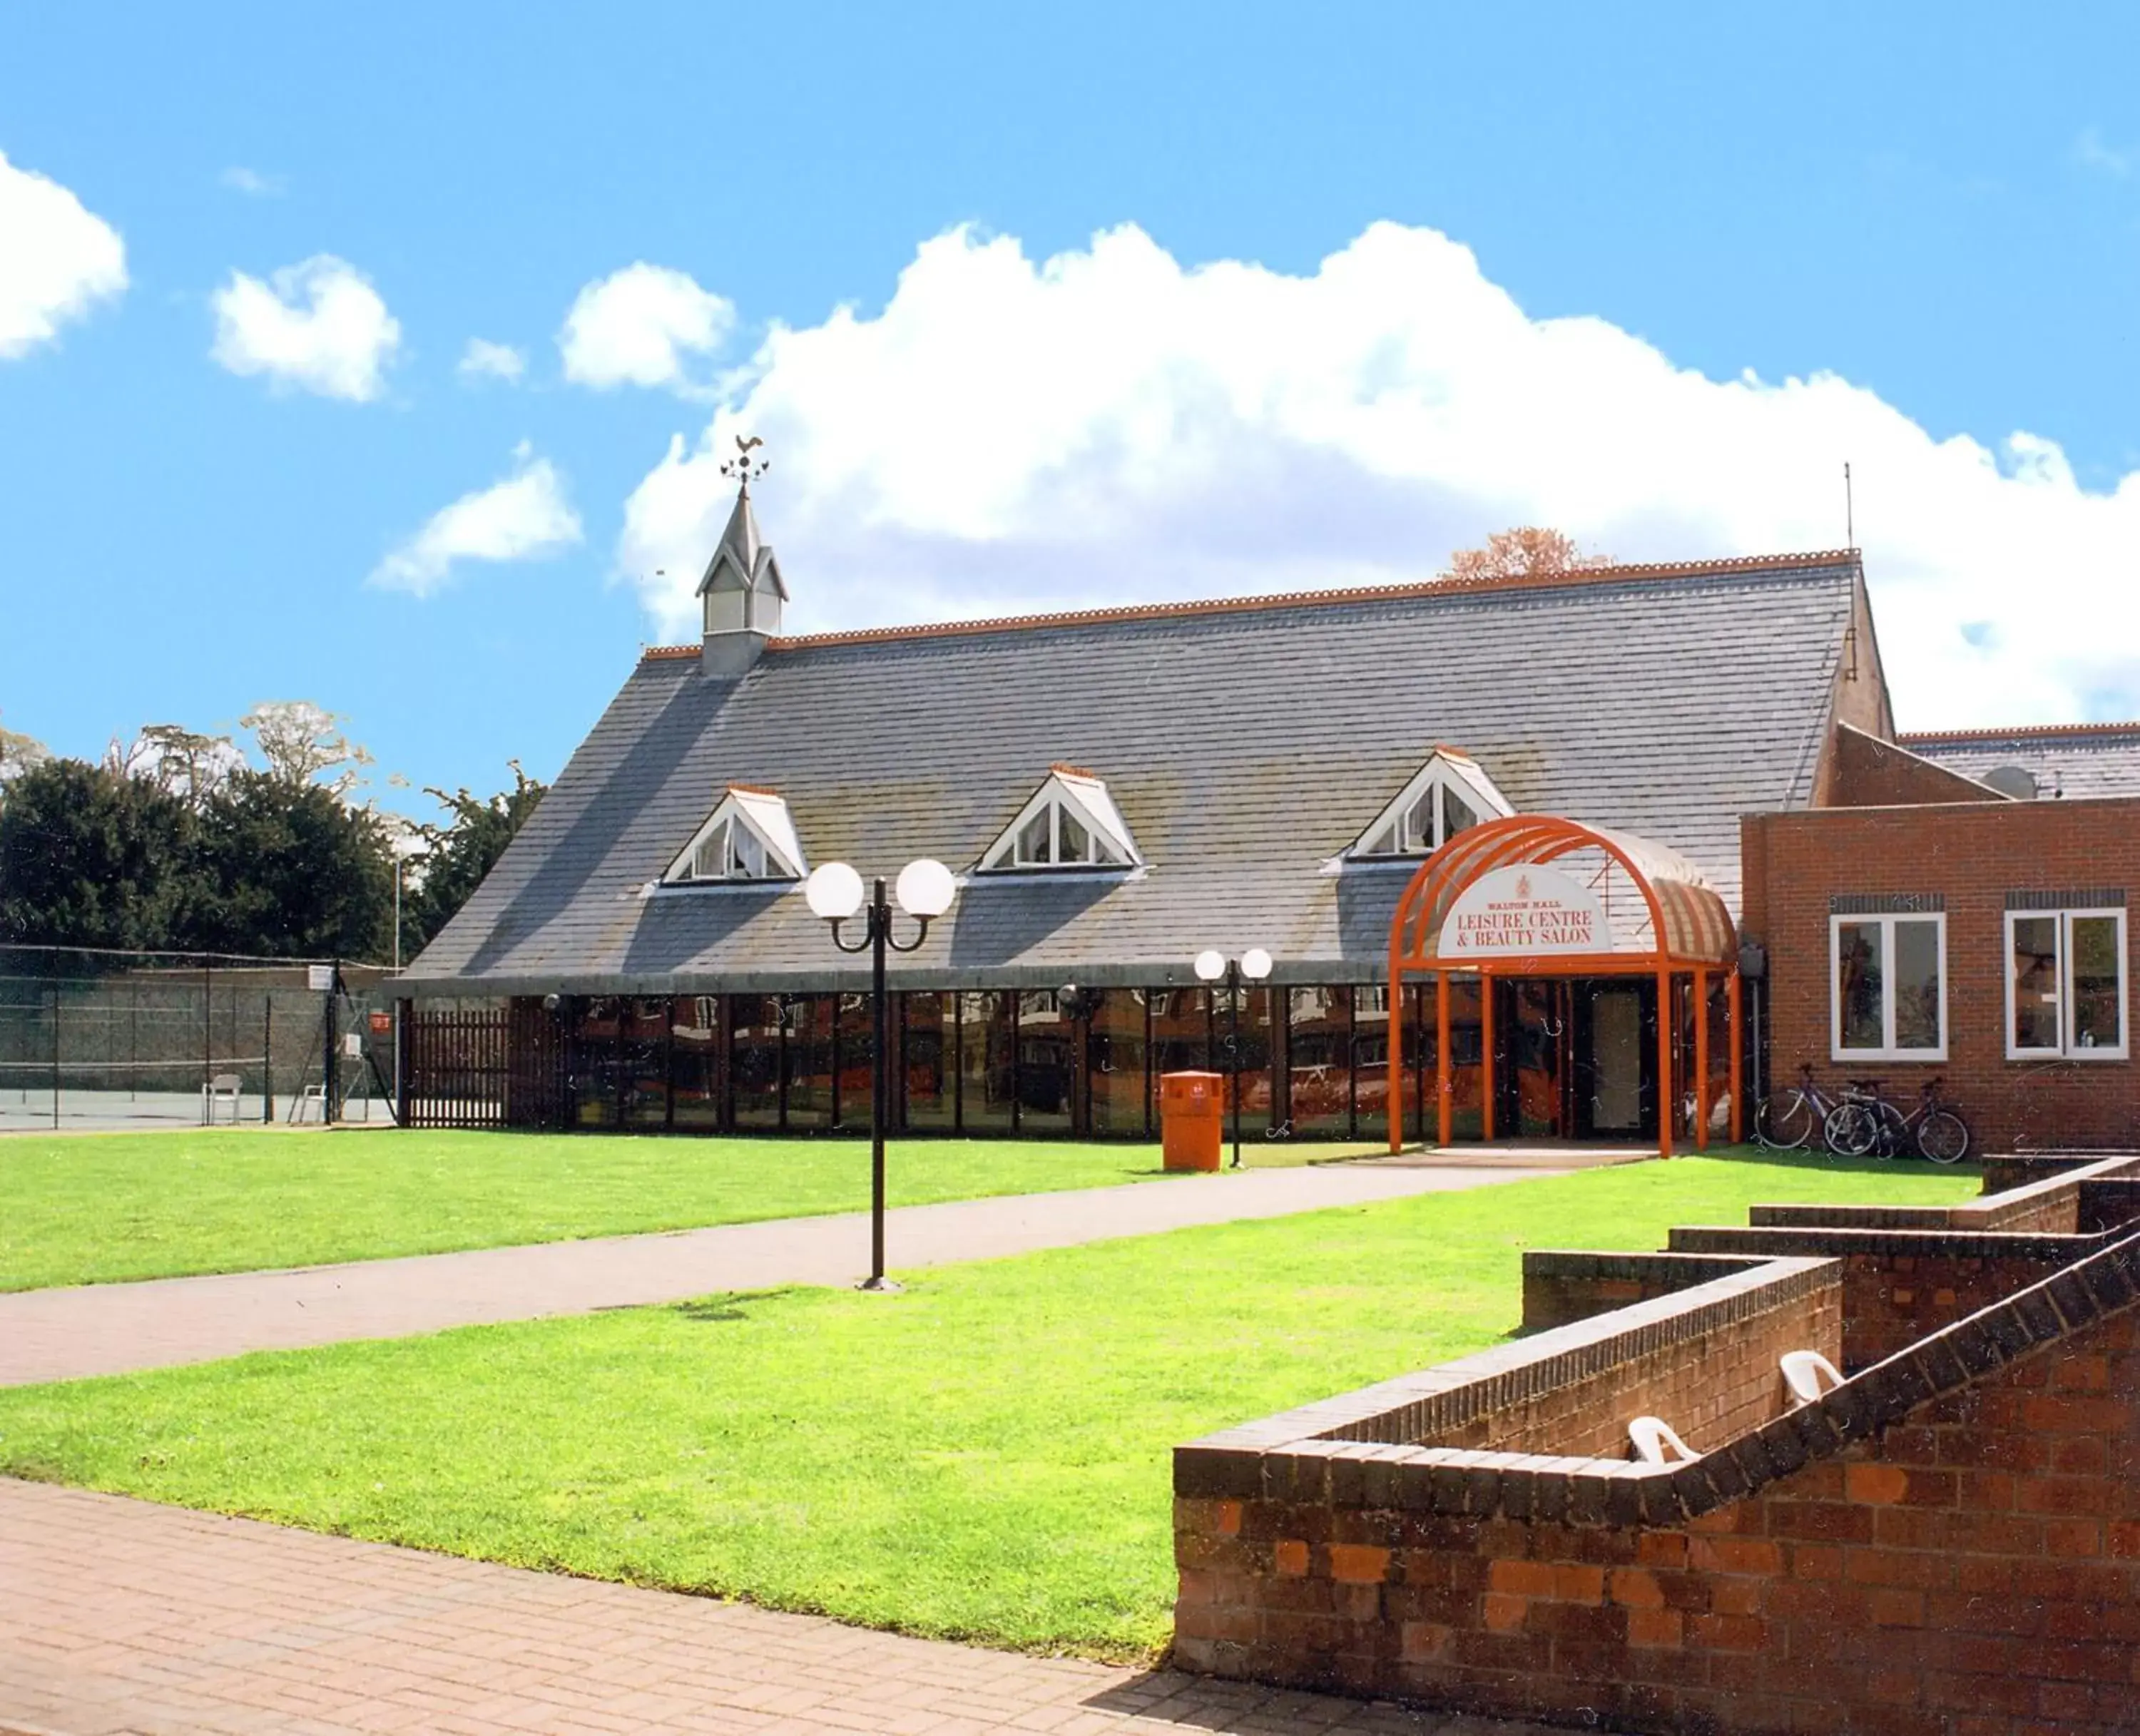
1731,1035
1665,1094
1397,1058
1443,1126
1701,1061
1486,1056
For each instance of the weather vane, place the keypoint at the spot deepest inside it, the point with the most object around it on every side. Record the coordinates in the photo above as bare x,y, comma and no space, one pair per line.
745,468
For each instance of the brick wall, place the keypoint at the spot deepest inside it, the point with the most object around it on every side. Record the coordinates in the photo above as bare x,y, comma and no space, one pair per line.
1949,1545
1866,772
1562,1286
1972,854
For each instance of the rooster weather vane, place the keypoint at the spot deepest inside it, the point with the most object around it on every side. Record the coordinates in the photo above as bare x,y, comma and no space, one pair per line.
745,468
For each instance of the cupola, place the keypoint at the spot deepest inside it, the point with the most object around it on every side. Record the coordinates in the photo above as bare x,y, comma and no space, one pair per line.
741,594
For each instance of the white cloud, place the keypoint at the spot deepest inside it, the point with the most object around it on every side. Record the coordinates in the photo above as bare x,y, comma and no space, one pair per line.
496,361
523,517
2091,152
643,325
1111,426
318,325
253,184
59,259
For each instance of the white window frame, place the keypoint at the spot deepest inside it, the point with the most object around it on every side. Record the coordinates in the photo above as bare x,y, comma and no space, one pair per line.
1887,1051
1447,773
764,819
1085,799
2069,1048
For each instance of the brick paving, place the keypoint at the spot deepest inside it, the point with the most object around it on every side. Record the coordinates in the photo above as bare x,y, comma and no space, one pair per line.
101,1329
119,1616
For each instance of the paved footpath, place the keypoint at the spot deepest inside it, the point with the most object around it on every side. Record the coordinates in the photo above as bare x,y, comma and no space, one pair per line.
102,1329
118,1616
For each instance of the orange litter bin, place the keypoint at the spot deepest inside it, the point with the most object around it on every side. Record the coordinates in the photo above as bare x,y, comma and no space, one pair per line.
1191,1120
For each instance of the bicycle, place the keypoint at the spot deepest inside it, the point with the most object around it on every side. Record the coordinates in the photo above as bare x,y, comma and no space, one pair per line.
1865,1122
1789,1123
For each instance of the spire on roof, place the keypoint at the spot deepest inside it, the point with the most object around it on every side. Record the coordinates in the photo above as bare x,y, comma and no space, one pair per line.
741,590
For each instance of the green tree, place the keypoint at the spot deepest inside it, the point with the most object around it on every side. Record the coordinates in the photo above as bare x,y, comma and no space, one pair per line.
294,873
462,851
92,857
18,752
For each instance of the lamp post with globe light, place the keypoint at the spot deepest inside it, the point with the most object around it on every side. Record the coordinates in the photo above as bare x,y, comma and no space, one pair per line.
924,891
1253,965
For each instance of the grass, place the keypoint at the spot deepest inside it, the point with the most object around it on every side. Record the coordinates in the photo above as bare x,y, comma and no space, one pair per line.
981,1457
91,1208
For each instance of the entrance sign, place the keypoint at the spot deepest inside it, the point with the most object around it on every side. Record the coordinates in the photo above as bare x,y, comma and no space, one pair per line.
1521,911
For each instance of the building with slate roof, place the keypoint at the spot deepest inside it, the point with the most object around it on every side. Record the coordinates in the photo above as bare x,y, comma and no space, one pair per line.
1117,790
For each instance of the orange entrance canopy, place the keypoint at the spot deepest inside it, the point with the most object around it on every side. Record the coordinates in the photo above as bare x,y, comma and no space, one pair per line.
1475,906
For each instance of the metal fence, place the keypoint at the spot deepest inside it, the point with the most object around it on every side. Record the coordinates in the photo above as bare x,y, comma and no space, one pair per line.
109,1039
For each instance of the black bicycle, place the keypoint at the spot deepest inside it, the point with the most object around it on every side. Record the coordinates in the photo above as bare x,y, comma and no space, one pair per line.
1865,1124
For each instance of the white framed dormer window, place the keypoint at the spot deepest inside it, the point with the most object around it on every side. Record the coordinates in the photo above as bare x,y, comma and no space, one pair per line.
1887,986
749,836
2065,984
1070,822
1451,794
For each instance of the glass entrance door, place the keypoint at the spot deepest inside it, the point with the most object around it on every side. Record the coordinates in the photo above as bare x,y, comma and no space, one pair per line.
1615,1029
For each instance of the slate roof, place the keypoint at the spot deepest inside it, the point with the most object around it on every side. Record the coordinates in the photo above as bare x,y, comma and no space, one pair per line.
2073,760
1246,744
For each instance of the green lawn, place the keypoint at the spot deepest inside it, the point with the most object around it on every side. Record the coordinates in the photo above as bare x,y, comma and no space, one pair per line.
983,1456
92,1209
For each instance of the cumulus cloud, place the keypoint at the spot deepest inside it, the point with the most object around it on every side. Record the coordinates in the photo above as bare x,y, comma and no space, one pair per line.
643,325
522,516
316,326
1111,426
59,260
483,359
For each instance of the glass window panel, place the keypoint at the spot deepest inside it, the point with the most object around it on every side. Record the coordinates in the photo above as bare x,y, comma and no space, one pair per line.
857,1059
1371,1061
1114,1063
643,1063
930,1047
1035,842
1859,990
754,1060
987,1064
1047,1059
1255,1054
1318,1055
2037,1022
695,1066
1916,989
810,1062
1456,814
595,1063
710,861
1077,842
2098,988
1419,822
748,861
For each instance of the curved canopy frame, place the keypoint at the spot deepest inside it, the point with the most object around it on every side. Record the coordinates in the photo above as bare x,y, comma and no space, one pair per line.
1691,933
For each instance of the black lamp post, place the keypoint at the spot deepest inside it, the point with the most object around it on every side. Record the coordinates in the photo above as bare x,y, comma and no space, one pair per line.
924,891
1211,965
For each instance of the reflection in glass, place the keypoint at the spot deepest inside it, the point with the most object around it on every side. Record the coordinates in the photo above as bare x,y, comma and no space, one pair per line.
2099,990
644,1062
931,1053
1917,985
1371,1061
2035,965
1859,992
1114,1063
810,1062
754,1060
857,1056
1456,815
1319,1055
595,1069
986,1062
1046,1060
694,1066
1180,1036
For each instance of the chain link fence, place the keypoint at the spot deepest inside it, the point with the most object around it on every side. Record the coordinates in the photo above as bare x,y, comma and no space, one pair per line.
91,1039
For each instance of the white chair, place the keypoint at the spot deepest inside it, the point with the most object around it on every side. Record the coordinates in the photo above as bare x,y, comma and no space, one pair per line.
1656,1444
1805,1372
223,1087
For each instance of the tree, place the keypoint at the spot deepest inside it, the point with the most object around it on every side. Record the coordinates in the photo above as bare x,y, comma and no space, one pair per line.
1527,553
18,753
178,760
299,740
462,851
291,871
92,857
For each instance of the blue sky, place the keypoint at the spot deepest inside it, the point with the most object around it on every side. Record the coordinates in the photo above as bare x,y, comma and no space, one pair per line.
1927,217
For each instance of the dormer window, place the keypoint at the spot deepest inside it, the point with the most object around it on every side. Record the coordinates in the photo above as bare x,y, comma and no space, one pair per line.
1451,794
748,837
1070,822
